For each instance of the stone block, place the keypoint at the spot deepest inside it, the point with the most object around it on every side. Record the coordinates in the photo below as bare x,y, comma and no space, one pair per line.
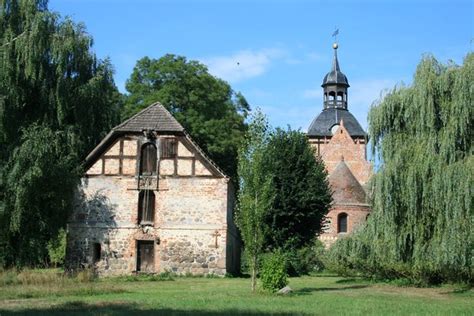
130,147
167,167
183,151
111,166
96,168
129,166
185,167
201,170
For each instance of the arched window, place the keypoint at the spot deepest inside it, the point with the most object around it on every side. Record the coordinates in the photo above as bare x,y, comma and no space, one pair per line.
325,97
148,159
340,96
332,96
146,207
342,223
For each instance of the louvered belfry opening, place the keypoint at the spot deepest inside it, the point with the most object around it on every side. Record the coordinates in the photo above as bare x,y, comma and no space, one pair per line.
146,207
148,159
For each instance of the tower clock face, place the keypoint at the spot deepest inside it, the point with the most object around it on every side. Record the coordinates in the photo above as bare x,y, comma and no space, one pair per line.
334,128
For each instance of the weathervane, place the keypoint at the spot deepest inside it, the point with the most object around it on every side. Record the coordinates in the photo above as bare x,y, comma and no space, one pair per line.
335,33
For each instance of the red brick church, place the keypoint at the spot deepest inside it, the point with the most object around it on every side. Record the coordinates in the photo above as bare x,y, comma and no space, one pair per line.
341,142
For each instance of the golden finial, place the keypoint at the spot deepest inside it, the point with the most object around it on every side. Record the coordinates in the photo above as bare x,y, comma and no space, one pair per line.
335,46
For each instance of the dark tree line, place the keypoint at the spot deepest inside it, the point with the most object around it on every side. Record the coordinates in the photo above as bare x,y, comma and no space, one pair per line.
57,100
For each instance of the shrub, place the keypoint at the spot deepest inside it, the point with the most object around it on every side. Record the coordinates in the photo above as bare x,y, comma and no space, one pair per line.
273,272
57,248
306,260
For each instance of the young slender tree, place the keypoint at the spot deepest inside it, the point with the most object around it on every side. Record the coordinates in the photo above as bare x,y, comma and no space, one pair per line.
422,209
256,194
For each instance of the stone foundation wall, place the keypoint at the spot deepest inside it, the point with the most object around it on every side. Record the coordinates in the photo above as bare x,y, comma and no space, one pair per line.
193,231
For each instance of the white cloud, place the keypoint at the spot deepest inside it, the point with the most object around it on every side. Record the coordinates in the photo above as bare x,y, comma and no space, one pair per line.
243,64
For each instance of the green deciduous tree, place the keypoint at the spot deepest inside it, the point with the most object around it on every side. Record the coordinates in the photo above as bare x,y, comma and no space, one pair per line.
206,106
422,209
56,102
302,193
255,195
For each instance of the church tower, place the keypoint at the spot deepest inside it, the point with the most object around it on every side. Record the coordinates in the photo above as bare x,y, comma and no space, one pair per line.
341,142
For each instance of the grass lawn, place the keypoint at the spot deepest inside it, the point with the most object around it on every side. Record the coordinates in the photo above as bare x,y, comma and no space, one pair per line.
316,295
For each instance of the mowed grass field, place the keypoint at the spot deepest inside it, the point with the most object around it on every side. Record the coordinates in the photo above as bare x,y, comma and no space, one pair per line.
313,295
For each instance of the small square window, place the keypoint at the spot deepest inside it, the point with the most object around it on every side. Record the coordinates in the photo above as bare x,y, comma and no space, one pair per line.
168,148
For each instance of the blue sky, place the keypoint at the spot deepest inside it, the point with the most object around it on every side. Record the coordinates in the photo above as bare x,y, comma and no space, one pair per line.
283,47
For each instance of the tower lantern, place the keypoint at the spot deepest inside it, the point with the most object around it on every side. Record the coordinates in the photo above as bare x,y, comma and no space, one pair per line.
335,85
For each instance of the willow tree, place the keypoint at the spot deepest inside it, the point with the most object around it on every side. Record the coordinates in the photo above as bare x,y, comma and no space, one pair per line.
54,88
255,194
423,217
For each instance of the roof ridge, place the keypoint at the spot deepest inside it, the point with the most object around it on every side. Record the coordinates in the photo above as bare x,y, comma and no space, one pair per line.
134,116
166,112
153,117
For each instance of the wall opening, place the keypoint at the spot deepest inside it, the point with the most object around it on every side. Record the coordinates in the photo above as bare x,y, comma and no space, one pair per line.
148,159
342,223
96,252
145,256
168,148
146,207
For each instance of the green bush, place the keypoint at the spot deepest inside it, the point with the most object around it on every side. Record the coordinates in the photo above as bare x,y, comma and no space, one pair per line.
57,248
273,272
306,260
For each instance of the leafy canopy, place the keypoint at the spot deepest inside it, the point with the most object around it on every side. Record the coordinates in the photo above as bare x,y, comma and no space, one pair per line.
206,106
302,193
57,100
422,208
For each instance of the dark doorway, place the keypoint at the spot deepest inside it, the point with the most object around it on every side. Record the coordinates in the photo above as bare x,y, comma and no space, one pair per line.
145,256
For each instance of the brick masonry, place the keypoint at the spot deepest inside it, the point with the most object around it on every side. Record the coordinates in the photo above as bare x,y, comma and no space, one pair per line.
193,231
352,150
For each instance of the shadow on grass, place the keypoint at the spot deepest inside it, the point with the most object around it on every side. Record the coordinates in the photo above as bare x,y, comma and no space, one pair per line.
104,308
308,290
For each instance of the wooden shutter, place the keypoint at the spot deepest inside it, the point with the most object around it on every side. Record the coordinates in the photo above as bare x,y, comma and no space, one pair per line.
148,159
168,148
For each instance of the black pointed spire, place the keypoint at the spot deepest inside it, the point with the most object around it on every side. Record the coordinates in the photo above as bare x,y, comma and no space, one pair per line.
335,85
335,62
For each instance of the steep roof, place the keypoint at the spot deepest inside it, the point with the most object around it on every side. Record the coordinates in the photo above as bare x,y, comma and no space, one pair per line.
155,118
346,188
321,125
335,76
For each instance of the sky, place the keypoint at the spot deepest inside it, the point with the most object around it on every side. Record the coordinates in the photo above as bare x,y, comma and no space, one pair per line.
276,53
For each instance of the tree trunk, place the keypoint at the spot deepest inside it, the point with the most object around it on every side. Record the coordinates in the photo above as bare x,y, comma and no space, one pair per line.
254,272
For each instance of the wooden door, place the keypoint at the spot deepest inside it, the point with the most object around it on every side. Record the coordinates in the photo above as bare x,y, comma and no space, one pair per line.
145,256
